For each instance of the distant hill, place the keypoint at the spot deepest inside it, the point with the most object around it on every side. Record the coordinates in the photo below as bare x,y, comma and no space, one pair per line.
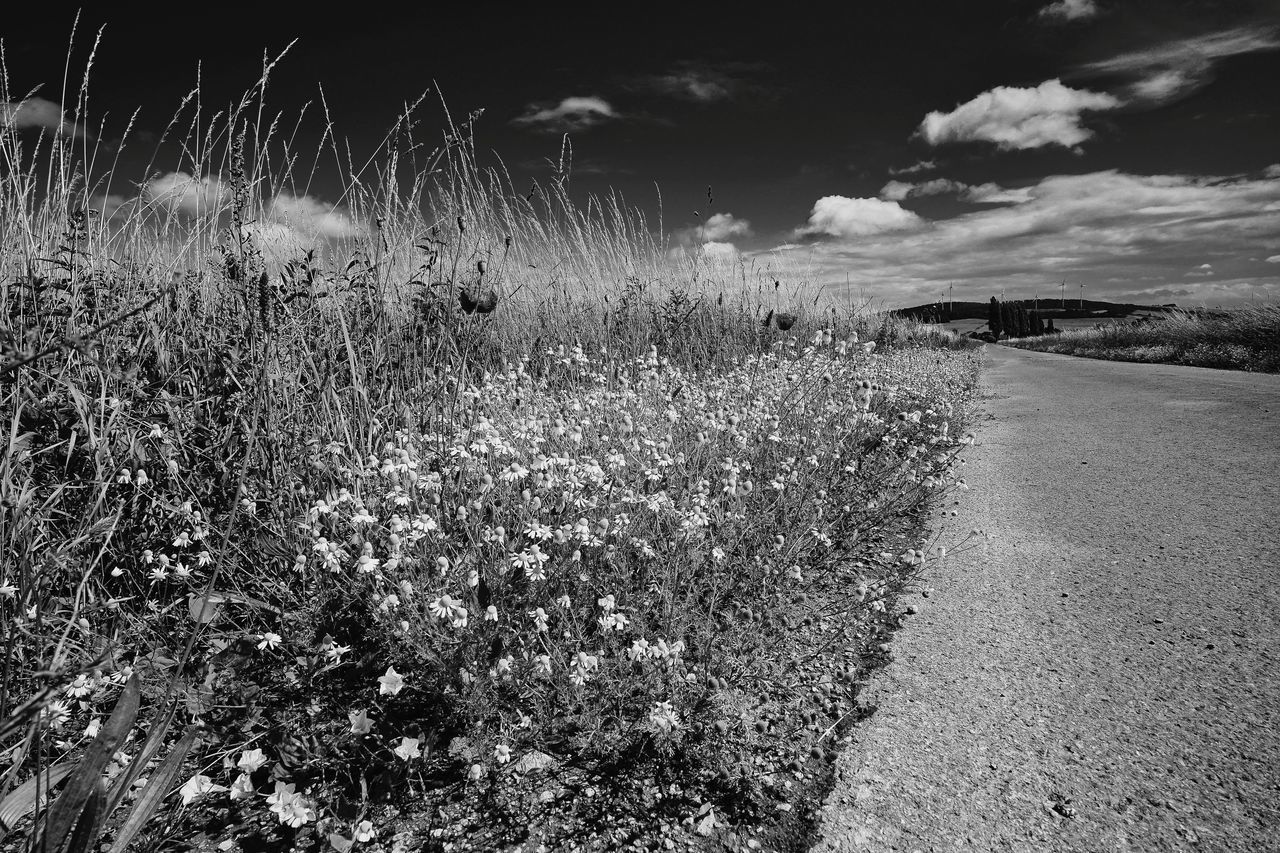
935,311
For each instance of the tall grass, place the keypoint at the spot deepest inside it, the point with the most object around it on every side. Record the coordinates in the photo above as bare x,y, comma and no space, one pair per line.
1246,338
346,525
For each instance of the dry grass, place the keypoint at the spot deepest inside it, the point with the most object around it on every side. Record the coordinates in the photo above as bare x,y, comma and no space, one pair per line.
271,480
1236,339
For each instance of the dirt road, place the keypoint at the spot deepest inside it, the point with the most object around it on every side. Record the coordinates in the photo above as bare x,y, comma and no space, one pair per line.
1103,672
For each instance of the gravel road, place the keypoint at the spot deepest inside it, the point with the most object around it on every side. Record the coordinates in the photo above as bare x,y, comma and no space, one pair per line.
1103,671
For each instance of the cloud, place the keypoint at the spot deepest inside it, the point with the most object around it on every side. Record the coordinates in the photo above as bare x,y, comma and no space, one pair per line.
279,242
1202,270
570,114
1171,70
37,113
693,83
1018,118
1070,10
717,249
1142,232
722,226
922,166
183,193
988,193
899,190
838,216
309,215
1272,171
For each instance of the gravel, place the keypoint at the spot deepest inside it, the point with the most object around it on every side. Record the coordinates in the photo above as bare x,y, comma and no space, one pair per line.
1100,670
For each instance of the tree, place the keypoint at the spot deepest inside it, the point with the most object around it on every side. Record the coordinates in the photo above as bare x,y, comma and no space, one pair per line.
994,320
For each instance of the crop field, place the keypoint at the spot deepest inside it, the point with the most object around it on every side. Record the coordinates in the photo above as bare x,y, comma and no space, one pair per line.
424,532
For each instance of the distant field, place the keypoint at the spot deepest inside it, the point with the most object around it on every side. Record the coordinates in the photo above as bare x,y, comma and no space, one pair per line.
966,326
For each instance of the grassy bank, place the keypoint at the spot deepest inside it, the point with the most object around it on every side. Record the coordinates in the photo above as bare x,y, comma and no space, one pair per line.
1235,339
302,532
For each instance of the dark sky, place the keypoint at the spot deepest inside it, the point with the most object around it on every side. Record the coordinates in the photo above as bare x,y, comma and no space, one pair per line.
1133,147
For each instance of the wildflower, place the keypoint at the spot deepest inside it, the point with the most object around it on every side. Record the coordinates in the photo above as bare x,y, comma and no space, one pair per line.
502,753
196,787
140,478
639,649
251,760
664,717
504,665
564,601
361,722
390,683
607,604
182,540
8,590
539,617
79,688
491,614
408,748
289,807
365,831
242,787
543,664
335,652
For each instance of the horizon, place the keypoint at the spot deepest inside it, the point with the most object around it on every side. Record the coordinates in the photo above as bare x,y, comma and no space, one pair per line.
1128,148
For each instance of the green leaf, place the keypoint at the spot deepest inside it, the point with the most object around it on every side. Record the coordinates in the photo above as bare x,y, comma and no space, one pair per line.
160,786
90,824
65,813
149,748
22,800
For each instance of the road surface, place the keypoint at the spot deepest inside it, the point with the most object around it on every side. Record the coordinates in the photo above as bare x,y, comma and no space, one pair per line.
1101,672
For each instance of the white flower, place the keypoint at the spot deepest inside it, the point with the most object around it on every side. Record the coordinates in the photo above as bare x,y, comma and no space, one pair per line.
408,748
196,787
242,788
502,753
390,683
539,617
251,760
365,831
269,640
664,717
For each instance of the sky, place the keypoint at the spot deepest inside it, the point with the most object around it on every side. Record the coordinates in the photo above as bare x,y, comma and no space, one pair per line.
904,149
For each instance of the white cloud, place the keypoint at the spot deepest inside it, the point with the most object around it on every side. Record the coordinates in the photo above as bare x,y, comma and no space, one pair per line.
1017,118
1070,10
988,193
723,226
184,193
1272,171
1141,231
1174,69
995,194
311,216
695,84
36,112
279,242
838,216
570,114
922,166
899,190
716,249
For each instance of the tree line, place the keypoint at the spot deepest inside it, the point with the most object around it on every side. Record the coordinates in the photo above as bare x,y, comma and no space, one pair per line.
1011,320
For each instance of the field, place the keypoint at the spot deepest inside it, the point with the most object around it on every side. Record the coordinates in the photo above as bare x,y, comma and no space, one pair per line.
426,531
1237,339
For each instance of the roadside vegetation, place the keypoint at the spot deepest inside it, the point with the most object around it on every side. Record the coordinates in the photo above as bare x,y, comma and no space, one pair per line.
1230,339
486,517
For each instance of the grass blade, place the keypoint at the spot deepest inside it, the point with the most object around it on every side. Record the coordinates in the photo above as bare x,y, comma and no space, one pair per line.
149,748
157,789
66,810
91,818
22,801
